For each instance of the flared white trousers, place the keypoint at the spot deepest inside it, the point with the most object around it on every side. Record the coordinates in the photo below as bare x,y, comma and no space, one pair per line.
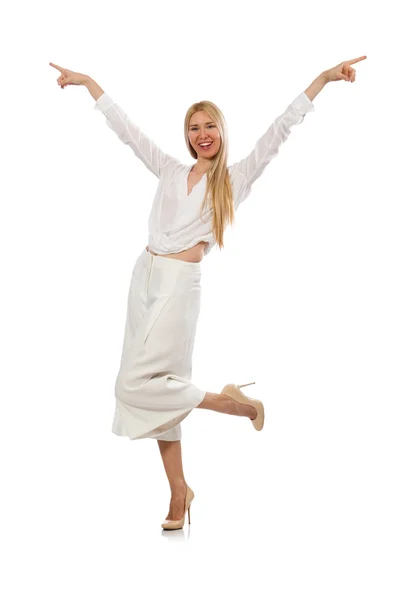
153,389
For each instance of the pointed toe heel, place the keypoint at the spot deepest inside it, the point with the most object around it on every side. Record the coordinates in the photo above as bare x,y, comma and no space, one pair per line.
167,524
235,392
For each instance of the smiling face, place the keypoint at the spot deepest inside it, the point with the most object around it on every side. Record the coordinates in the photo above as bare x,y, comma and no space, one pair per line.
202,130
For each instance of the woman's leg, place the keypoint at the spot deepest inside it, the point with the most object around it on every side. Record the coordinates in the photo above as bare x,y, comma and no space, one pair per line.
225,404
171,453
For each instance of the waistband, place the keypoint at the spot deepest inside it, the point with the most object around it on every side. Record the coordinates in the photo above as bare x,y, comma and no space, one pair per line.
172,262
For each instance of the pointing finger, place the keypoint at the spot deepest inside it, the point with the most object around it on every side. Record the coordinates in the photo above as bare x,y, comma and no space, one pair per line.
355,60
57,67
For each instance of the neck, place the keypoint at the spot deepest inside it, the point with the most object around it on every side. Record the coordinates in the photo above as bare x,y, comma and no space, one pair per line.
202,165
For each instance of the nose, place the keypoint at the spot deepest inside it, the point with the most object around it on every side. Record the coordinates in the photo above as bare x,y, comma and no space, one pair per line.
204,137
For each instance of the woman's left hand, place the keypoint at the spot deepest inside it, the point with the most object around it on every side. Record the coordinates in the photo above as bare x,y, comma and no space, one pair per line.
343,71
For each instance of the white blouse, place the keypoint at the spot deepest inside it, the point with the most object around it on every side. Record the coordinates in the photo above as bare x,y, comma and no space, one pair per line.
174,221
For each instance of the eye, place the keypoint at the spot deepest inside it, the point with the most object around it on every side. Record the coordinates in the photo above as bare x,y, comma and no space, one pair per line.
194,128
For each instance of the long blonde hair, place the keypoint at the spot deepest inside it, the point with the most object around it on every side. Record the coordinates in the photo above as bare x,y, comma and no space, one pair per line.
218,186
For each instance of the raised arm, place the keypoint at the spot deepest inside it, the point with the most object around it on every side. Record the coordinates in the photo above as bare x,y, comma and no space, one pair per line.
268,145
129,133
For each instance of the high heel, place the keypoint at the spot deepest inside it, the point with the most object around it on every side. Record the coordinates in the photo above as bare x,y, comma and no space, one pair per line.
234,391
167,524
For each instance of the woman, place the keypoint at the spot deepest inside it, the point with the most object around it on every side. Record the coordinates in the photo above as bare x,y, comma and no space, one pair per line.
153,390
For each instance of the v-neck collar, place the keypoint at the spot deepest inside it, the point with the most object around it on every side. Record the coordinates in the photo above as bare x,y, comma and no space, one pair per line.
186,190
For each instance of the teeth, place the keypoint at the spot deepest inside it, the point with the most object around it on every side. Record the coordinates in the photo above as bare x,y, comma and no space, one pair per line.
209,144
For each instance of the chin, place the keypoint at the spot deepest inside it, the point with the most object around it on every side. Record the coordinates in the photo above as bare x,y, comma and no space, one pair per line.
209,155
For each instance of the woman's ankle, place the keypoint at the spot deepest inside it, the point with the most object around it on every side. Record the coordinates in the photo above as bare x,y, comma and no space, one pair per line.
178,486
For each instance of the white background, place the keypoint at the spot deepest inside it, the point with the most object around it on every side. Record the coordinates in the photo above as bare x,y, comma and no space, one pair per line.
301,301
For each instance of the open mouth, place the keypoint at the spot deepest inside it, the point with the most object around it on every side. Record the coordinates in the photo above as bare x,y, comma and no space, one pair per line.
206,146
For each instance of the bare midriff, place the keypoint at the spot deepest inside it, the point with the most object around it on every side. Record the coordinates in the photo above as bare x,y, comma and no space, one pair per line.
195,254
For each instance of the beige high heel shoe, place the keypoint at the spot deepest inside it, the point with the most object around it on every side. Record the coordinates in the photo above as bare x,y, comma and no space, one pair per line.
234,391
167,524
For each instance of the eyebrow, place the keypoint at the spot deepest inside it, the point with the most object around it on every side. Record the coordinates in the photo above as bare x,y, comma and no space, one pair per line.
195,124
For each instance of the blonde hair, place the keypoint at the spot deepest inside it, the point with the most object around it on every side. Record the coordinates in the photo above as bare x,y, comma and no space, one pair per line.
218,186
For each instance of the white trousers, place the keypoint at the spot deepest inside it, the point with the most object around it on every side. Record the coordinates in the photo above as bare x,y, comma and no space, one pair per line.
153,389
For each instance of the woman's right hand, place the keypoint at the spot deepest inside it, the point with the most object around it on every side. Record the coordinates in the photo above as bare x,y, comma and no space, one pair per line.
68,77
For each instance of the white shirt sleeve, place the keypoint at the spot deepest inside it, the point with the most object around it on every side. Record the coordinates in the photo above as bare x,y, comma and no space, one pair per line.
129,133
268,145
